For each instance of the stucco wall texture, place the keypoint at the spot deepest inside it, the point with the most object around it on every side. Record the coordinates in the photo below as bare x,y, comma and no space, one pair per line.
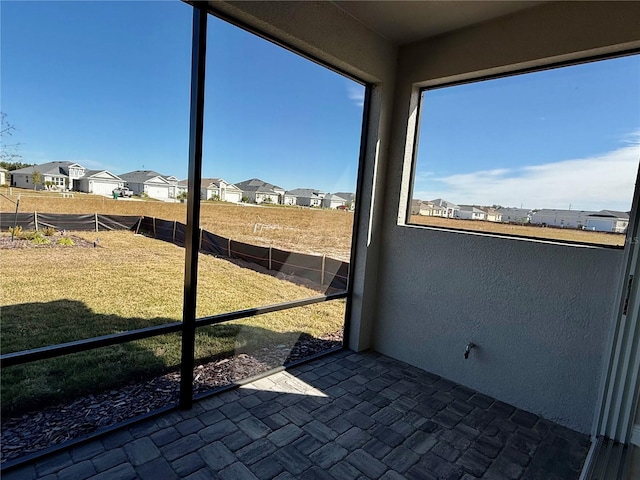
540,315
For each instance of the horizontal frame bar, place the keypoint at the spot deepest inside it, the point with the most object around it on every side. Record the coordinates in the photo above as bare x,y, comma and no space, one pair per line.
252,312
51,351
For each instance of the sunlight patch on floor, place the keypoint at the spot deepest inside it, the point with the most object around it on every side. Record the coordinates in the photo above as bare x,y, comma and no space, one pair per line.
284,382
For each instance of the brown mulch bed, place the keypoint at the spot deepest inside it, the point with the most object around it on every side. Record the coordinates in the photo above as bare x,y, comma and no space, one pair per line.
37,430
7,243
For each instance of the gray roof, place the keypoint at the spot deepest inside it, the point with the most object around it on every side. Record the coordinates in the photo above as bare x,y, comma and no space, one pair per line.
256,185
207,182
471,208
49,168
514,212
348,196
443,203
210,181
89,173
141,176
333,196
306,193
611,213
564,213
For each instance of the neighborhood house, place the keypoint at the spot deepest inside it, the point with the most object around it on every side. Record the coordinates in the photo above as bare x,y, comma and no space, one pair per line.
218,189
602,221
259,191
98,182
53,175
307,197
150,183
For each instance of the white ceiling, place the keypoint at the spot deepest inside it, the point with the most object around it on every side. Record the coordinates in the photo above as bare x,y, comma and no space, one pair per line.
404,21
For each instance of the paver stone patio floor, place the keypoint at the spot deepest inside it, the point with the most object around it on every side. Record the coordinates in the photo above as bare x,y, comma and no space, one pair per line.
343,416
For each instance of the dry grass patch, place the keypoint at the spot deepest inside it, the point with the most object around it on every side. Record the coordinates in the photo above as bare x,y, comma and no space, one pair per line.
306,230
560,234
51,296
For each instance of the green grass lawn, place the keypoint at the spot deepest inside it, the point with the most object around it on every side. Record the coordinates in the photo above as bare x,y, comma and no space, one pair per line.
51,296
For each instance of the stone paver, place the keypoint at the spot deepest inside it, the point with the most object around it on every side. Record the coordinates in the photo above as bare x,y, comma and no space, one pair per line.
346,416
141,451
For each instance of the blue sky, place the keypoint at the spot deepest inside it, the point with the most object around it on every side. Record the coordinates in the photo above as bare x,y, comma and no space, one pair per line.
106,84
560,138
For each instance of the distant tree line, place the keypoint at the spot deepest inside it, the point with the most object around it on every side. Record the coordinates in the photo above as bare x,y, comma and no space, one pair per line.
9,156
14,165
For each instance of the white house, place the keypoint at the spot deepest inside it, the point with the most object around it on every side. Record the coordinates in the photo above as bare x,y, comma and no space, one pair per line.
432,210
218,188
469,212
561,218
150,183
182,187
259,191
492,214
3,175
173,182
99,182
333,201
60,175
449,209
289,199
426,209
608,221
307,197
349,197
515,215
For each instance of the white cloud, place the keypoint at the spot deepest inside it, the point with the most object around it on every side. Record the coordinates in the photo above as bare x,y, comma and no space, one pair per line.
356,94
593,183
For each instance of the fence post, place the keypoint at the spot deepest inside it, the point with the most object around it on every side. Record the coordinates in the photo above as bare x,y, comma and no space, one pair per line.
174,231
154,227
270,257
138,225
322,271
35,219
96,217
200,244
229,247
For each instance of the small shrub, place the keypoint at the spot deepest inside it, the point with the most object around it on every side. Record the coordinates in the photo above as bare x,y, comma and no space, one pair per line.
49,231
17,230
30,235
40,240
66,241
